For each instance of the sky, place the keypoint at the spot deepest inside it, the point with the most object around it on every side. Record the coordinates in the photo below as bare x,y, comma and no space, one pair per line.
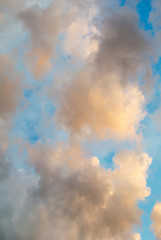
80,119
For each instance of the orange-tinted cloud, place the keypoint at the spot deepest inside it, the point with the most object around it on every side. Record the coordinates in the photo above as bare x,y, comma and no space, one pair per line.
156,220
44,26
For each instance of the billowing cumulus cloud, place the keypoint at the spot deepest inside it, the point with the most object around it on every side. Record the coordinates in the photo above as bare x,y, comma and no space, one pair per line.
110,112
104,99
156,220
76,198
89,56
45,26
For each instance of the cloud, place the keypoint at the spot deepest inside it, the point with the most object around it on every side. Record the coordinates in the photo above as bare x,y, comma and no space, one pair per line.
44,26
65,193
13,190
78,38
76,198
155,14
10,95
122,46
156,219
15,6
86,108
10,87
103,98
4,167
11,6
155,18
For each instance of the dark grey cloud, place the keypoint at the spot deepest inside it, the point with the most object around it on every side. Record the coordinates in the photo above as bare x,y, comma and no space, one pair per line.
122,46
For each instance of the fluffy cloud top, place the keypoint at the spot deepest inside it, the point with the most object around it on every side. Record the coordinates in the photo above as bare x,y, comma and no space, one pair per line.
87,108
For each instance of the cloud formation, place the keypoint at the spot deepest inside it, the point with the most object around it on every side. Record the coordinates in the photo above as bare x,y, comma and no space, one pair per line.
76,198
89,109
122,46
63,192
103,98
10,86
10,95
44,26
156,220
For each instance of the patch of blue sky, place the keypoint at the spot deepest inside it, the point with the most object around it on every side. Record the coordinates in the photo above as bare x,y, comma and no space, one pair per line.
49,109
144,8
152,138
157,67
107,161
145,228
32,133
152,146
122,3
16,156
61,64
154,183
154,103
28,116
34,116
156,97
28,93
34,120
26,123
